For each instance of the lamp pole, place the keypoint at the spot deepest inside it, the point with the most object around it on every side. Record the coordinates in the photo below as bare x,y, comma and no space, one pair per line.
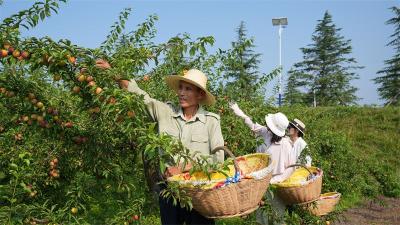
281,22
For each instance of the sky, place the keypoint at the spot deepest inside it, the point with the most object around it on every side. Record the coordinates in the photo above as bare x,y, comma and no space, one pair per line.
87,23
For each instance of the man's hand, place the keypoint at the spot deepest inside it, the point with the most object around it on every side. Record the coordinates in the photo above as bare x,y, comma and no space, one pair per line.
171,171
102,64
174,170
123,84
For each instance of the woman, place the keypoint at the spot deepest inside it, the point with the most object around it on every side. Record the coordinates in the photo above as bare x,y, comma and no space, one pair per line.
280,150
296,131
197,129
274,142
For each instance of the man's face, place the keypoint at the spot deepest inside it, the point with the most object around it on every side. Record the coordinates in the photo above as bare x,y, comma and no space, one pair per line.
189,95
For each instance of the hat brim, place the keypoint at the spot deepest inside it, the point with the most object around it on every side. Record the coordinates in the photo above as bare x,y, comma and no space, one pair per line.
173,82
296,127
272,127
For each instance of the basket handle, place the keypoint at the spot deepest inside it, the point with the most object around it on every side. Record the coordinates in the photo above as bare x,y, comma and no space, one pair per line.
229,152
301,165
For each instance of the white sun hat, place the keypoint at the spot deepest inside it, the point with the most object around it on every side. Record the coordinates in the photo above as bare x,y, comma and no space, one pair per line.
277,123
195,77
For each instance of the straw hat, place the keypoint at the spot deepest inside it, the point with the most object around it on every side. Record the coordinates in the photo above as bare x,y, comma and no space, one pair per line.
277,123
195,77
298,125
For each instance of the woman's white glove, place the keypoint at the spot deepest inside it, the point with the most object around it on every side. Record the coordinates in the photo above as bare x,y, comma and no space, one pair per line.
234,106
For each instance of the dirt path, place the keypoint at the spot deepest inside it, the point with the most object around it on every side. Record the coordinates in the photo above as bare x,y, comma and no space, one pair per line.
374,212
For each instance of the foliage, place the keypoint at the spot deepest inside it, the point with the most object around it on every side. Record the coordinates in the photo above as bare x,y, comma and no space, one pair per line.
324,75
389,82
241,65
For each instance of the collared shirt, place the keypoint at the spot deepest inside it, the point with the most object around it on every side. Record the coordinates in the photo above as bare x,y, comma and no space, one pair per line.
202,133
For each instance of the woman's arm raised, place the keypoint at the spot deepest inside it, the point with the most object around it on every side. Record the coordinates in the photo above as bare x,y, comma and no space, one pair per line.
255,127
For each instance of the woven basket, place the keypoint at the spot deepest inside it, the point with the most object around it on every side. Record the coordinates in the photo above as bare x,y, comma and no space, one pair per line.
301,194
324,205
236,199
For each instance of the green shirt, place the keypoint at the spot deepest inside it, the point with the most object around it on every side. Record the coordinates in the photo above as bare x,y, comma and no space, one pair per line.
202,133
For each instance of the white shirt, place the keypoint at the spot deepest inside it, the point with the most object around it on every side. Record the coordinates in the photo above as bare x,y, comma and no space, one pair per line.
298,147
282,154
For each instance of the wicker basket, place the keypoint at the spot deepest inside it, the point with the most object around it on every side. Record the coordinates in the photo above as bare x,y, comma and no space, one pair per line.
324,205
301,194
236,199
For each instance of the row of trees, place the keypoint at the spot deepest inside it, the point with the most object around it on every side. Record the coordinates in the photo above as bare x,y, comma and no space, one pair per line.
323,77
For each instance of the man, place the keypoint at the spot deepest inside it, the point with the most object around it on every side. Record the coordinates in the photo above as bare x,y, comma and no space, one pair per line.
197,129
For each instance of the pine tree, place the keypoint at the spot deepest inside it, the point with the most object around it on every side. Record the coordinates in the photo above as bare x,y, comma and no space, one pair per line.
293,95
327,69
241,64
389,89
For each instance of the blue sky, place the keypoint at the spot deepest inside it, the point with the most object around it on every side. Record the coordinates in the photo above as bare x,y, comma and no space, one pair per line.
87,22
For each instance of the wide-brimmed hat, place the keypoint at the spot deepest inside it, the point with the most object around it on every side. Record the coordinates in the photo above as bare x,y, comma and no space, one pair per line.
277,123
296,123
195,77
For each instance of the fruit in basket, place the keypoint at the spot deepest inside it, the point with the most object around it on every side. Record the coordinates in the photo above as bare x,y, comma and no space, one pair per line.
299,177
247,165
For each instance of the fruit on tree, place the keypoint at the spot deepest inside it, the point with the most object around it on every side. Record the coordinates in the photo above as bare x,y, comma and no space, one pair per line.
74,210
31,96
68,124
10,50
40,119
3,53
89,78
71,59
6,45
34,116
54,173
16,53
112,100
92,83
18,136
39,105
76,89
81,78
33,194
98,90
25,54
131,114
